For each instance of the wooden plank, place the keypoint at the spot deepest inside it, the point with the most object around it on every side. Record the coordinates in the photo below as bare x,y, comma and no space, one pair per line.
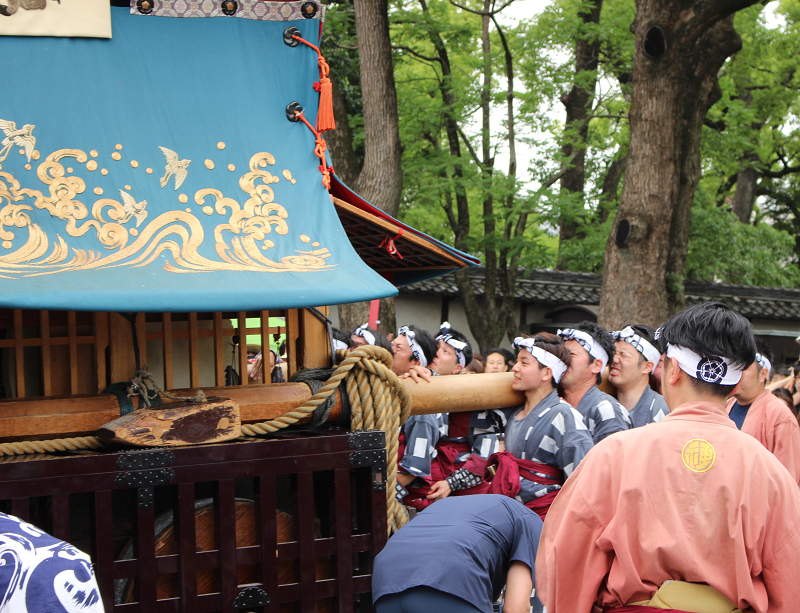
100,346
242,323
219,351
194,356
344,545
266,377
60,516
304,532
185,536
292,333
225,527
103,546
44,332
141,337
19,356
120,339
72,332
315,344
166,327
145,552
267,535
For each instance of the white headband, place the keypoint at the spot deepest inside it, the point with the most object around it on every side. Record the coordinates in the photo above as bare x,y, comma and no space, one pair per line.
337,345
456,344
763,362
587,342
416,350
642,345
365,334
545,358
715,369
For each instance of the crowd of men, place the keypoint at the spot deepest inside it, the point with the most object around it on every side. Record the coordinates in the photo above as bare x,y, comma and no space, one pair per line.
679,490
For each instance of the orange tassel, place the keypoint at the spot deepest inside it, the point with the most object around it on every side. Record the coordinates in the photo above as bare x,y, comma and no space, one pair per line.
325,119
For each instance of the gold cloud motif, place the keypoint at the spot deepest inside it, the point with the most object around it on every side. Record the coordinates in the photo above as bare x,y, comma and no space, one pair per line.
238,242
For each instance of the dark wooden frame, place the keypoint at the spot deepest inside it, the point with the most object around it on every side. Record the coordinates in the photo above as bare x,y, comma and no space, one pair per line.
48,492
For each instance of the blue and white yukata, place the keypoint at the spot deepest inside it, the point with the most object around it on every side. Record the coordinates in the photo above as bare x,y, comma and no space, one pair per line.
602,414
651,408
552,433
39,573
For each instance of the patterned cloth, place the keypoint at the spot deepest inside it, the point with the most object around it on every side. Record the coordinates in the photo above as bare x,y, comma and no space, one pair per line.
552,433
421,433
650,409
40,574
602,414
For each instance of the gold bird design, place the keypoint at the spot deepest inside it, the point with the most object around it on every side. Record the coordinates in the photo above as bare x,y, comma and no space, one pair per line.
174,167
132,208
20,138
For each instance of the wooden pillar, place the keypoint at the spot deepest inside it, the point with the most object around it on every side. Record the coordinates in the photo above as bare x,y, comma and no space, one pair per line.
314,346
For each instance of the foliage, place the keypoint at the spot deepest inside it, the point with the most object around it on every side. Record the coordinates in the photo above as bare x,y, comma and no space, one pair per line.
724,250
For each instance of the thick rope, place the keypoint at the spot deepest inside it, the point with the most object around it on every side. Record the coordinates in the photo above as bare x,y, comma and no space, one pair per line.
51,446
378,400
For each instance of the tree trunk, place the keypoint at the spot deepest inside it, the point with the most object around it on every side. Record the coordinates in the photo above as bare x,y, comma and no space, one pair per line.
340,140
381,179
745,196
578,104
674,85
353,315
388,317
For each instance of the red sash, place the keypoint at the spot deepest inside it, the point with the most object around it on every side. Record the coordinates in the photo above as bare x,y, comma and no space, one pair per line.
641,609
441,468
503,471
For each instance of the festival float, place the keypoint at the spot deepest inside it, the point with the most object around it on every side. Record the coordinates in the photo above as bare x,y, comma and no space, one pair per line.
164,195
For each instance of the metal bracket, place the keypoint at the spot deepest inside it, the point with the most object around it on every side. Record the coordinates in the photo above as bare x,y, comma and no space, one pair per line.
375,458
143,481
367,439
251,597
155,458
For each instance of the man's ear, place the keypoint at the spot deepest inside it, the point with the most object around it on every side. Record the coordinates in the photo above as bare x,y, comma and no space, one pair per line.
597,366
648,367
675,372
457,369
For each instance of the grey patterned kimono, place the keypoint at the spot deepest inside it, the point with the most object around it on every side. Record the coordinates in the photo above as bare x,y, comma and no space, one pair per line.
650,409
552,433
602,414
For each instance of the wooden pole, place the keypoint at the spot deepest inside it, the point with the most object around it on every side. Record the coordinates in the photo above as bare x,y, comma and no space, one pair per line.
44,418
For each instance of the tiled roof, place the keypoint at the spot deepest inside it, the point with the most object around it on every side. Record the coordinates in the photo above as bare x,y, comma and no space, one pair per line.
553,287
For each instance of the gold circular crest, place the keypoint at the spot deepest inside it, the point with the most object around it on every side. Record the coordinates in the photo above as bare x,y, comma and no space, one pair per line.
698,455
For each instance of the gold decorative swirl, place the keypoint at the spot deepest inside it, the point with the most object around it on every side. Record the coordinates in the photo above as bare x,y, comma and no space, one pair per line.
239,242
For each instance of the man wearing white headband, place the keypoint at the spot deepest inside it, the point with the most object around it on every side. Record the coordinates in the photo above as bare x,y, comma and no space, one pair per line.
416,466
545,438
635,357
466,442
364,335
683,512
591,349
756,411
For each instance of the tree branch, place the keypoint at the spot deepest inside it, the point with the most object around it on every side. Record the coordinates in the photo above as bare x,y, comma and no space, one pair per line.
415,54
491,13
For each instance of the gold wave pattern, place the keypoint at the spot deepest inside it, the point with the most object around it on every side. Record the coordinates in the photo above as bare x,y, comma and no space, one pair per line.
177,232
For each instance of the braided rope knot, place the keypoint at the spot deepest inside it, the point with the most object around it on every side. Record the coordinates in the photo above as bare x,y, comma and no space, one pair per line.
378,400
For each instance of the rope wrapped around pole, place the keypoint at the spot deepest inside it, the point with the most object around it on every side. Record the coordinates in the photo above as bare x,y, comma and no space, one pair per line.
379,402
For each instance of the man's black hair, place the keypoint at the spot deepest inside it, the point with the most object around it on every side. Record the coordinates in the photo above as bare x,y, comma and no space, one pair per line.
425,340
602,338
460,337
711,329
507,355
762,346
343,336
380,339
